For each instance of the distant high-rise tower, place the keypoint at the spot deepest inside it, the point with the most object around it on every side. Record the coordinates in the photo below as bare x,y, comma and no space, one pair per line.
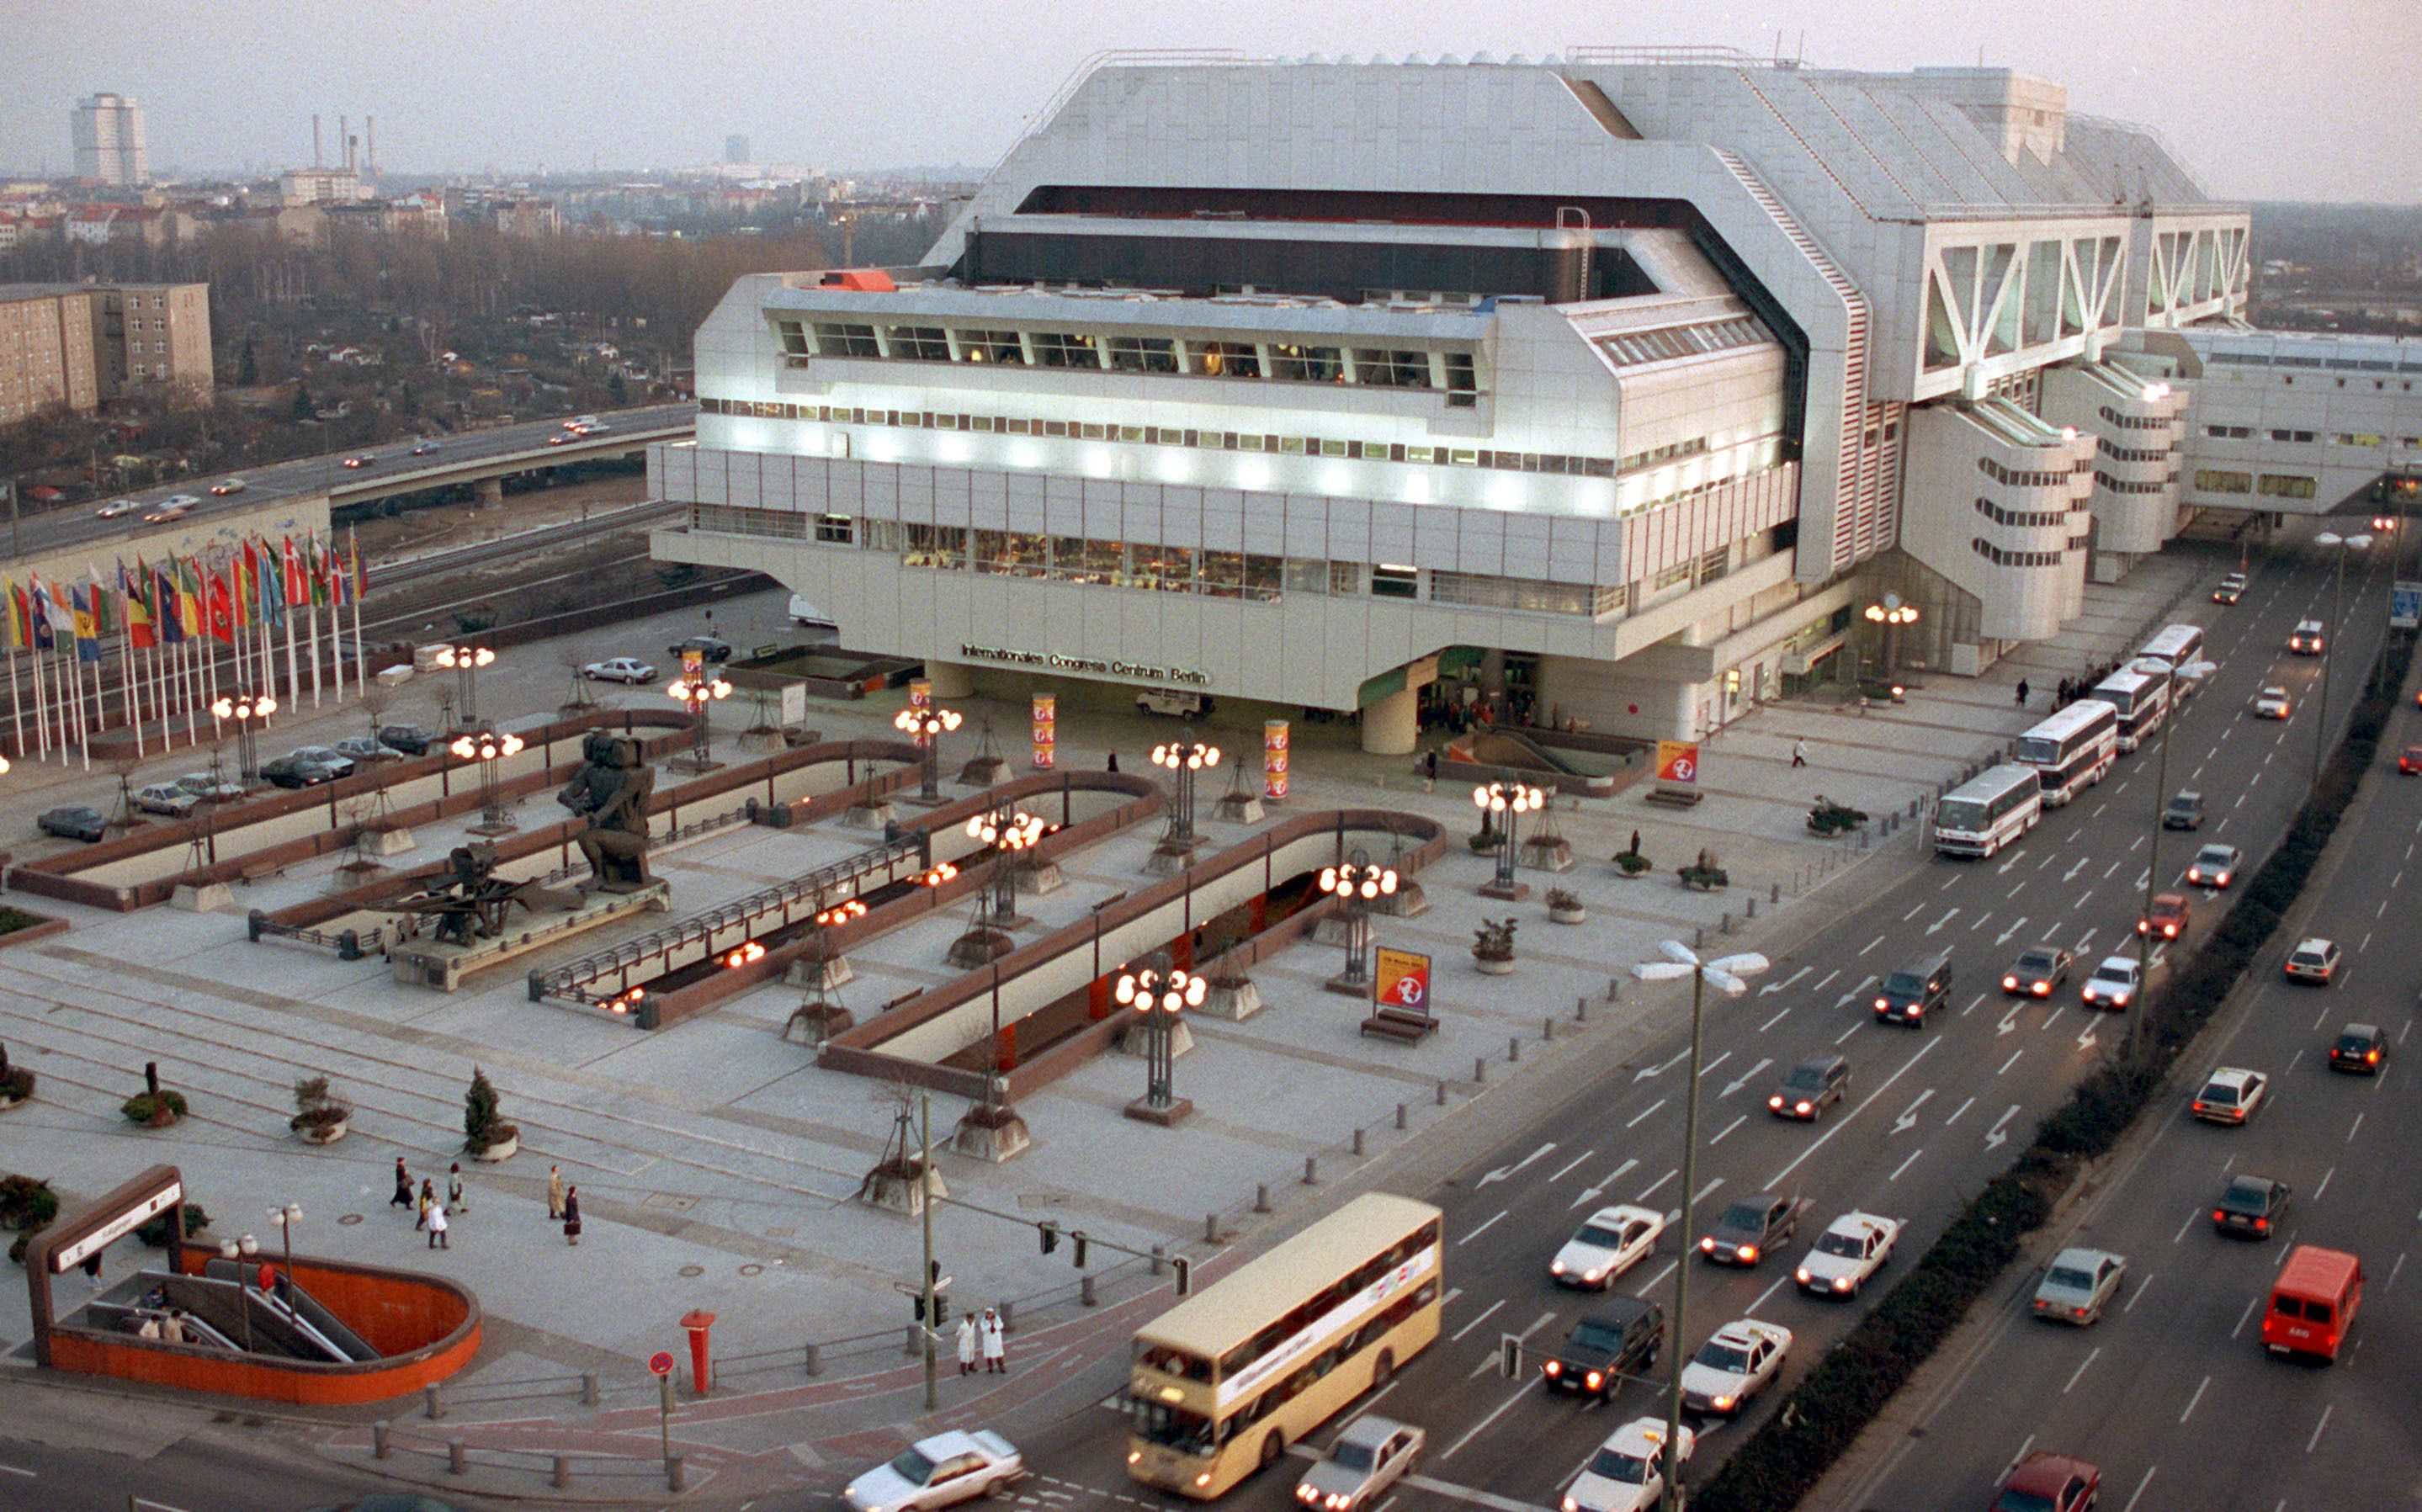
109,146
736,148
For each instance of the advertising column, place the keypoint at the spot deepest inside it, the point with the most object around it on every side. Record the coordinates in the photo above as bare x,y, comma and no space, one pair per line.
1046,731
1274,760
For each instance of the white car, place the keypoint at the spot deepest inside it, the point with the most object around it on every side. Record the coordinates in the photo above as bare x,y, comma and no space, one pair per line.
2113,982
938,1471
2215,866
2273,703
1610,1243
619,670
166,797
2230,1095
2307,639
1371,1454
211,789
115,508
1739,1361
2079,1284
422,449
2313,960
229,485
1627,1472
1847,1254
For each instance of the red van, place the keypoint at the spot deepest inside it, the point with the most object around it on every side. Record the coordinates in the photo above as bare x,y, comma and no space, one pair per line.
2313,1303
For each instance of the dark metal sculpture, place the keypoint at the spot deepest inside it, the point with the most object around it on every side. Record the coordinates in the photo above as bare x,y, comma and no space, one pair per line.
611,791
470,903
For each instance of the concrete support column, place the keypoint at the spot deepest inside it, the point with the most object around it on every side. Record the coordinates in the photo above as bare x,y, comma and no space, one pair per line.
951,679
1390,727
490,492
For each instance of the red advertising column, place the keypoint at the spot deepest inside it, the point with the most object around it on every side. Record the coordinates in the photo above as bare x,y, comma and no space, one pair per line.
699,1325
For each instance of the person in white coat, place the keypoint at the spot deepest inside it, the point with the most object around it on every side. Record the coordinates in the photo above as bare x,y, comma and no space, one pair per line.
996,1345
966,1347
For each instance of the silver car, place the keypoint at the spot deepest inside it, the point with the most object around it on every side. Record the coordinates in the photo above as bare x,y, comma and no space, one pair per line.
1373,1454
2079,1284
165,798
211,789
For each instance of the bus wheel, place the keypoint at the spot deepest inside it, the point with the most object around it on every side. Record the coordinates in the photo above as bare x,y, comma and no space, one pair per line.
1272,1447
1383,1370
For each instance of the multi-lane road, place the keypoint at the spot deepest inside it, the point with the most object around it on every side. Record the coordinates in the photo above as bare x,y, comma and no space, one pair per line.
1932,1112
61,529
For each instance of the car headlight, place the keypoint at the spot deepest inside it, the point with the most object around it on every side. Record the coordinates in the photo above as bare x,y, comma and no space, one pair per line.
1775,1101
1749,1253
1204,1479
1841,1284
2009,984
1599,1274
1571,1505
1135,1456
1721,1404
1554,1367
1596,1378
1802,1275
1803,1108
1305,1493
1555,1267
1707,1246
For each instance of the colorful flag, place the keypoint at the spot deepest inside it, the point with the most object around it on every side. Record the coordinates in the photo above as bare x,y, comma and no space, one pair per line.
20,618
192,599
323,589
106,610
42,610
222,606
240,573
167,604
136,592
87,632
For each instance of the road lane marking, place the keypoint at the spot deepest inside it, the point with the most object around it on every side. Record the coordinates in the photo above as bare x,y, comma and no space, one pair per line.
1912,912
1465,1493
1947,884
1650,1190
1878,940
1645,1072
2056,1012
1706,1189
1651,1285
1907,1119
2246,1317
16,1470
1728,1128
2193,1400
2350,1134
1773,988
1591,1193
1737,1083
2012,1060
2079,1374
1995,1138
2129,1305
1755,1307
1936,927
2325,1183
1637,1117
1475,1429
1712,1064
2315,1442
2140,1489
1481,1230
1906,1164
1973,1003
1771,1022
1955,1116
1569,1164
1978,922
1775,1182
2393,1270
1825,979
2015,924
1456,1337
1845,1034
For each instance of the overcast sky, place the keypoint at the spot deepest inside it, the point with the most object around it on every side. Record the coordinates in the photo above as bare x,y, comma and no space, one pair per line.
2266,98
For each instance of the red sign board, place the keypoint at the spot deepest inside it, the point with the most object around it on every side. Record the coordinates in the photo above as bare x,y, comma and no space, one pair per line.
1677,761
1404,980
660,1364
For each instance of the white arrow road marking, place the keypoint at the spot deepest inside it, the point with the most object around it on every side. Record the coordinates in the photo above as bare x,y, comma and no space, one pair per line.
1743,1079
1503,1171
1773,988
2003,938
1776,1181
1908,1120
2005,865
2088,1040
1645,1072
1936,927
2009,1021
1995,1138
1613,1177
2070,875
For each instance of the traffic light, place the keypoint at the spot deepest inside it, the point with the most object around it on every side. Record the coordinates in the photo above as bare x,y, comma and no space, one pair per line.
1050,1233
1185,1275
941,1308
1079,1239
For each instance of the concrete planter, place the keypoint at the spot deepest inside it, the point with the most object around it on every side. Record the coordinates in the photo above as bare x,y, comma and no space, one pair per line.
323,1133
503,1149
1492,968
1568,916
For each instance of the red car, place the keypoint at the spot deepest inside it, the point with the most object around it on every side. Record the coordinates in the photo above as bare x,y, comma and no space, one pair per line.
2409,760
2166,917
2048,1483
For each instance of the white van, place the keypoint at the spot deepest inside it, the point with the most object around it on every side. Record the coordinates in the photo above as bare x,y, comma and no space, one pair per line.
1169,701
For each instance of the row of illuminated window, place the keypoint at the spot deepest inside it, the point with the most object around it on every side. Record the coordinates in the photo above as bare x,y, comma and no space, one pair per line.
1302,362
1251,575
2030,478
2134,422
1169,435
2020,559
2343,438
2022,518
2274,485
2117,486
1683,341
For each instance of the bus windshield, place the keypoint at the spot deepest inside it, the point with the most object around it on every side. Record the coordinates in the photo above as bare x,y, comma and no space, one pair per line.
1960,813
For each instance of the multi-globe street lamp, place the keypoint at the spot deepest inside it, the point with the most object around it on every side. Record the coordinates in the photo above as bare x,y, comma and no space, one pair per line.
466,659
487,747
1891,614
286,1218
926,726
699,693
1725,974
242,709
1159,997
1360,883
1185,756
1009,834
1505,801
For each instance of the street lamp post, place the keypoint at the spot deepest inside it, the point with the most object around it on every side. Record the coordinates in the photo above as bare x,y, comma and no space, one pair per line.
1725,975
1185,756
466,659
1159,997
2339,545
242,709
286,1218
1359,882
1891,614
927,726
2179,675
487,747
1506,800
236,1251
699,692
1008,834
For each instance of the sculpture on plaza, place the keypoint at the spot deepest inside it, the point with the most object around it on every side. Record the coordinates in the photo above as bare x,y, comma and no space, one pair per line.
611,791
468,902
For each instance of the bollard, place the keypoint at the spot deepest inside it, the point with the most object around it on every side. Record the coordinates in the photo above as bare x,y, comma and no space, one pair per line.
1548,1028
1613,988
1581,1009
1401,1114
1753,908
1261,1198
1776,895
673,1478
430,1404
815,1361
1311,1171
1699,937
458,1458
1724,924
380,1448
1480,1069
1357,1141
1210,1228
912,1339
589,1388
562,1475
1085,1289
1159,1258
1008,1311
1513,1049
1442,1092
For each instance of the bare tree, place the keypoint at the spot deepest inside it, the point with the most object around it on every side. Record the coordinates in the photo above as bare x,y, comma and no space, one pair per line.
579,703
377,698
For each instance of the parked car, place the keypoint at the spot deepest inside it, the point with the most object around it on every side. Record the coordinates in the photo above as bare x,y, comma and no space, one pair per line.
1750,1228
619,670
2232,589
327,756
2169,916
1610,1243
2230,1095
1371,1454
1811,1087
1620,1338
715,649
2045,1482
2079,1284
1740,1360
2273,703
2314,959
2216,867
2362,1048
2185,812
360,459
2113,982
938,1471
294,772
363,749
1627,1471
73,822
2038,972
211,789
167,798
2307,639
1171,701
410,739
229,485
115,508
1847,1254
2250,1205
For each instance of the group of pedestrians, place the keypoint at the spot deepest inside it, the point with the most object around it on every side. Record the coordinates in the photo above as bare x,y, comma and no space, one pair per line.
985,1337
2074,688
434,1215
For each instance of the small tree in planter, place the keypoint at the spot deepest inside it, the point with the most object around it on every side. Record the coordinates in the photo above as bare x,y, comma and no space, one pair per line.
153,1231
1492,946
1830,818
485,1135
1704,873
16,1082
1630,862
1484,840
27,1205
154,1107
1566,907
318,1117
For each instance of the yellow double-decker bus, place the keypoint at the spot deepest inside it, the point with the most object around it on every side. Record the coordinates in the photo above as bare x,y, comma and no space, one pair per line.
1224,1381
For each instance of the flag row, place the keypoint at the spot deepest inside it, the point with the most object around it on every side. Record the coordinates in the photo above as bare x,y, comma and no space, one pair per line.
211,595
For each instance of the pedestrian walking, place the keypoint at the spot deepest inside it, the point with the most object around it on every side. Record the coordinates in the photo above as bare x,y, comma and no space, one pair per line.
2022,692
1429,764
427,1200
966,1347
402,1197
996,1350
571,1215
172,1329
437,1226
92,1264
1114,761
555,1194
151,1329
454,1202
1799,753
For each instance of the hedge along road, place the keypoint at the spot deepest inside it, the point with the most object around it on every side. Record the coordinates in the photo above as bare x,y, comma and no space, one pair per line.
2172,1395
1931,1117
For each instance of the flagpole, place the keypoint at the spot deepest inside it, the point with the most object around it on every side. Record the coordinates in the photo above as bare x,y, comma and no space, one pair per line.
353,587
131,686
42,708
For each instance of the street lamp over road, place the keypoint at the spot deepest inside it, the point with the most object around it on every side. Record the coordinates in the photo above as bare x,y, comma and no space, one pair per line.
1725,975
1360,884
1505,801
2338,547
926,727
1159,997
242,709
466,659
487,747
1184,757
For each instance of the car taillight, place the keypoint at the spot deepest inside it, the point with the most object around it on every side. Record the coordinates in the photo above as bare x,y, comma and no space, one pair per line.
2201,1106
2219,1215
2077,1311
2371,1057
1596,1380
2262,1222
